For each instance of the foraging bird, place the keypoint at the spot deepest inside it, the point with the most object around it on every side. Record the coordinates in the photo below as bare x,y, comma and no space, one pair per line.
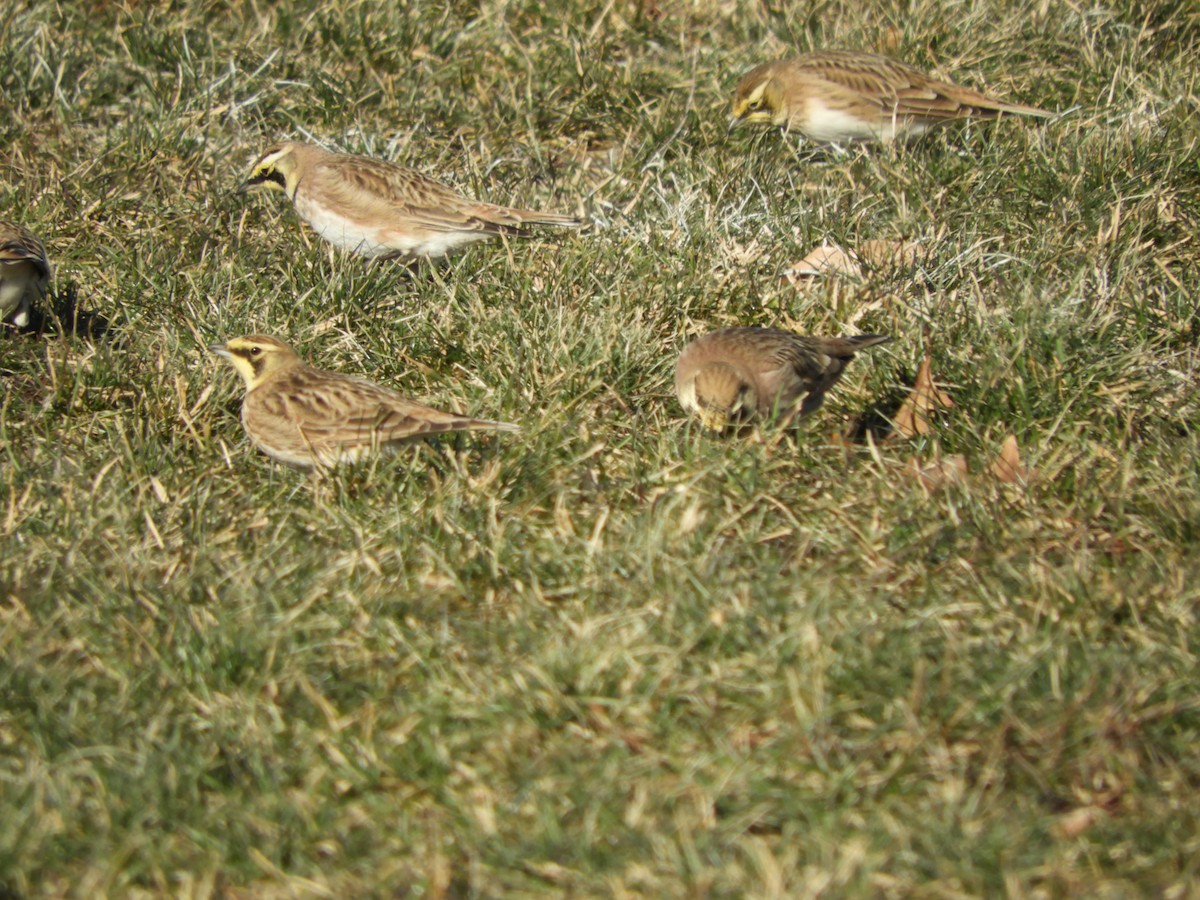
837,96
24,272
734,375
380,209
305,417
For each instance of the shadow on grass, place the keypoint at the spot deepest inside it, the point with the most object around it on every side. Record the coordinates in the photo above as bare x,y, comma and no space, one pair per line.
877,421
66,316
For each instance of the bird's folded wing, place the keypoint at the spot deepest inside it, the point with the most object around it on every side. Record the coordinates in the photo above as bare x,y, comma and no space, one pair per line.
391,194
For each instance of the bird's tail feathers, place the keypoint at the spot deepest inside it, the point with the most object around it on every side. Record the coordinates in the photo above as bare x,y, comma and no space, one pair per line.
863,341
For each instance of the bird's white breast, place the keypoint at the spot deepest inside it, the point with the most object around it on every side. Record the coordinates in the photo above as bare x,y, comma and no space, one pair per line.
381,238
434,243
340,229
686,391
829,125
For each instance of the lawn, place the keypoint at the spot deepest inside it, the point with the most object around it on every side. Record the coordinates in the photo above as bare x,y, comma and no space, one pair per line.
611,655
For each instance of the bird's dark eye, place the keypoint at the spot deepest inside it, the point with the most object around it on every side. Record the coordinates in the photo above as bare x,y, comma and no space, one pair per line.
254,351
756,104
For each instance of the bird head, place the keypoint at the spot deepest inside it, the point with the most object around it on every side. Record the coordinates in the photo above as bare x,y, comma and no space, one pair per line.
275,170
256,357
759,98
723,396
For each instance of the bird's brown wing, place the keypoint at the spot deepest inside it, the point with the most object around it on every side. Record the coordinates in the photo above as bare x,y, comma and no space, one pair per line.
900,90
813,364
330,411
393,192
777,351
885,84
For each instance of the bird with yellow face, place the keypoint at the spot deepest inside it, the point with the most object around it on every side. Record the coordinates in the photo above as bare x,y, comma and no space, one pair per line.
382,210
309,417
837,97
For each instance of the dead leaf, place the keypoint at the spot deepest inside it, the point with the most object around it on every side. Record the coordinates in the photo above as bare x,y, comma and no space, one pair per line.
1007,466
925,398
1077,821
882,254
843,441
827,259
939,473
1116,546
649,10
549,871
830,259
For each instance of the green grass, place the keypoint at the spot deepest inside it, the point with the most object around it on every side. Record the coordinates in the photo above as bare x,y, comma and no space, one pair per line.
611,655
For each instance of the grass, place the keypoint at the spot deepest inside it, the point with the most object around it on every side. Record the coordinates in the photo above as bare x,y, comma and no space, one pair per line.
611,655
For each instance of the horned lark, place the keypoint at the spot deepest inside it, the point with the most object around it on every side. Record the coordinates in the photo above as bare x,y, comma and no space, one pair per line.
379,209
736,374
24,272
836,96
308,417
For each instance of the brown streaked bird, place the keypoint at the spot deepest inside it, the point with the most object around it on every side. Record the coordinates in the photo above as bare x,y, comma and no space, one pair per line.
24,272
383,210
734,375
838,96
306,417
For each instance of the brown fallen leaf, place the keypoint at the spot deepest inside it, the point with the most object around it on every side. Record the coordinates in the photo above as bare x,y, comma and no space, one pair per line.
1077,821
881,254
925,398
649,10
1007,466
827,259
939,473
841,439
830,259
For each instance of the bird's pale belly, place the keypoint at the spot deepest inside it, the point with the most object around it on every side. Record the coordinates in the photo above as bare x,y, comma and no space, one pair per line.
19,282
341,231
390,239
